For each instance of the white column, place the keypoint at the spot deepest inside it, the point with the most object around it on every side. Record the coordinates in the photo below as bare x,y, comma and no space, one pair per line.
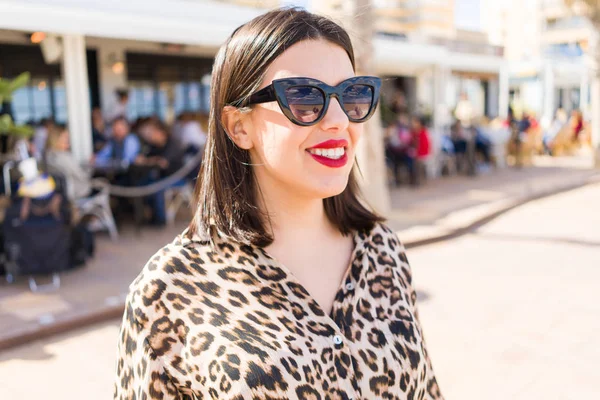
370,152
595,116
503,91
566,98
493,97
75,75
109,53
425,88
548,79
441,110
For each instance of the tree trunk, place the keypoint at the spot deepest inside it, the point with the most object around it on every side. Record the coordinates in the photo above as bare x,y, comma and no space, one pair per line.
595,118
358,21
594,64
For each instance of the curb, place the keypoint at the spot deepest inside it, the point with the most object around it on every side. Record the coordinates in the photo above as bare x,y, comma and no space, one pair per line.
116,311
62,326
512,204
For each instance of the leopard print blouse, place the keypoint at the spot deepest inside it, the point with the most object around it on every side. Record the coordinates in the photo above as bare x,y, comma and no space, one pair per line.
230,323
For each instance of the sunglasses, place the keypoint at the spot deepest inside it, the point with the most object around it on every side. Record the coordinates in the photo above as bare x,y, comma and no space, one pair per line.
305,101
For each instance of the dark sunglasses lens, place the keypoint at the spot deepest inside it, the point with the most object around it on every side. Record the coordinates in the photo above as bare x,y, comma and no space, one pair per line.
306,102
358,100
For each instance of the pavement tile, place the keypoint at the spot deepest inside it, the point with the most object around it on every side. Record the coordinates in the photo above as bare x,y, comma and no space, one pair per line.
438,208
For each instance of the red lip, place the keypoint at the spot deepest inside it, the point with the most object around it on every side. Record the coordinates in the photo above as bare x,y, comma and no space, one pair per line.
331,144
328,162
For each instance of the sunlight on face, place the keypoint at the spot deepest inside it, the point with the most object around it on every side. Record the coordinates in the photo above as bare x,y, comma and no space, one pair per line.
280,148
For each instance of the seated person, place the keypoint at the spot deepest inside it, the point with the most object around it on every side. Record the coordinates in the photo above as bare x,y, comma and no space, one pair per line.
163,151
163,156
60,160
190,134
458,137
98,130
399,147
122,148
483,144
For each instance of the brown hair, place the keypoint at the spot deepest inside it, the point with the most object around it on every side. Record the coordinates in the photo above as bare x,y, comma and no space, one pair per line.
54,134
226,191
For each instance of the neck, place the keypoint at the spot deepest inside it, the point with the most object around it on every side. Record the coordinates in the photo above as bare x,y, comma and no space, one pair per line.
293,220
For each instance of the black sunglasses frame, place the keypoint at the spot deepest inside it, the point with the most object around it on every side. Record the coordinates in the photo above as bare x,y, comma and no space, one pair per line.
276,92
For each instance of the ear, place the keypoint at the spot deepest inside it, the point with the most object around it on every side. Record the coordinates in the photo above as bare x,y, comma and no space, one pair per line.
235,125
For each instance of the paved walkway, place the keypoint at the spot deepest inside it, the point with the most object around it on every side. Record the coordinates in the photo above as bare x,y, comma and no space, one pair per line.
437,209
511,310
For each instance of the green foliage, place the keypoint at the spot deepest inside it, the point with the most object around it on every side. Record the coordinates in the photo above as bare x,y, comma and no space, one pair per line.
7,88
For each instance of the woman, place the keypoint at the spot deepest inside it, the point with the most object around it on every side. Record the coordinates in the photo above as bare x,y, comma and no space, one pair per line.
400,147
284,285
59,159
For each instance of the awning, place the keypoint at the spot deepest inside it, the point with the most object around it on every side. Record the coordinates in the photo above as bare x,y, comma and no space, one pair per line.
205,22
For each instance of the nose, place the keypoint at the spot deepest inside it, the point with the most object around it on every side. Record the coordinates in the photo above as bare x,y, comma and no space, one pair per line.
335,118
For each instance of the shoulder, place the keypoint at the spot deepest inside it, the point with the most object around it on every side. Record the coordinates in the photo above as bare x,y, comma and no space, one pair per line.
386,250
167,273
383,238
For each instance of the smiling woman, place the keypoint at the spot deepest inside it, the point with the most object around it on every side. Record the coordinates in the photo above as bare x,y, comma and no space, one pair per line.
285,285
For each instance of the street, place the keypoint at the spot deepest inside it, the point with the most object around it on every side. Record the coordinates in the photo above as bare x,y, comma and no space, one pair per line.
510,311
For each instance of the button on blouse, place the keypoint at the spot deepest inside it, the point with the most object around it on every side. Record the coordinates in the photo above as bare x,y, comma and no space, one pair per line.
228,322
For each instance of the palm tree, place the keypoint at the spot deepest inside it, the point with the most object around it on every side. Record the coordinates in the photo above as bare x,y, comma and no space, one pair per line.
358,20
591,10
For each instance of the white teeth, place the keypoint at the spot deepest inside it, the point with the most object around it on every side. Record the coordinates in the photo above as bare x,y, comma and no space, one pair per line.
335,154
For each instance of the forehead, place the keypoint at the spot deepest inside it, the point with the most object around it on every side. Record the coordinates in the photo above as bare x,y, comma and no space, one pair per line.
317,59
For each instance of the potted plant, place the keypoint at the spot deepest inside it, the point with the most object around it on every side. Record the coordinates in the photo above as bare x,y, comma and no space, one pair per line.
7,125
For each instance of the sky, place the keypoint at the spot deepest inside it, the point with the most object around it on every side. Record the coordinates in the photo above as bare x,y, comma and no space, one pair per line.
467,14
299,3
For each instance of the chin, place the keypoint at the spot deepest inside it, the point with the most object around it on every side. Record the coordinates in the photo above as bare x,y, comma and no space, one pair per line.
330,188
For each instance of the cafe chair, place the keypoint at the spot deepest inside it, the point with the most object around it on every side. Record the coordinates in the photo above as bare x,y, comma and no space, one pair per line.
98,205
176,197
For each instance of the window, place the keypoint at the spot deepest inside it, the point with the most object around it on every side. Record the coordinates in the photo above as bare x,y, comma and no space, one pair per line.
32,103
60,102
141,100
171,85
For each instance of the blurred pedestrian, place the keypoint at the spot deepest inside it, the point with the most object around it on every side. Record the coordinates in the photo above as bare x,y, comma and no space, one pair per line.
422,147
123,146
400,147
285,285
119,109
162,158
99,134
59,159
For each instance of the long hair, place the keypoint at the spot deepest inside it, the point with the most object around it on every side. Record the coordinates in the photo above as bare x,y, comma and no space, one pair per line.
226,190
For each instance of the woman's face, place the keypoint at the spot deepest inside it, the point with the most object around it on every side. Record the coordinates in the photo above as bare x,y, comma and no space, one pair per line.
285,155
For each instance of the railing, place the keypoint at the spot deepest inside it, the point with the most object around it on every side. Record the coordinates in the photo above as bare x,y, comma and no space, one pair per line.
461,46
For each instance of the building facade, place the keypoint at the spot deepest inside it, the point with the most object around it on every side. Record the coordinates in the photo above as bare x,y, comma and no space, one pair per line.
79,53
424,53
546,45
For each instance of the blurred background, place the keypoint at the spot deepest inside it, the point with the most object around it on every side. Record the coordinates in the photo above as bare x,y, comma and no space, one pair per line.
484,158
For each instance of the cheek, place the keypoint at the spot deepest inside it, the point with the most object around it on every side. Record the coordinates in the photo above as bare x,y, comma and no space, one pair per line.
275,139
356,132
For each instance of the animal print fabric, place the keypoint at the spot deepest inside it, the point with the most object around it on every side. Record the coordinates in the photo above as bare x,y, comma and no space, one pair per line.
230,323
